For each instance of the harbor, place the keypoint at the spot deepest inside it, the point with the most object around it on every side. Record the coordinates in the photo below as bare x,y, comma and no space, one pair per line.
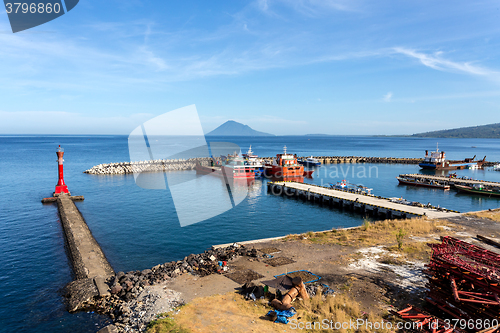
113,212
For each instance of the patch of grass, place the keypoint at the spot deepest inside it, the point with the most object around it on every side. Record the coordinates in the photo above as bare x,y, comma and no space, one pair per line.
375,233
165,325
400,236
338,309
391,260
413,251
492,215
366,225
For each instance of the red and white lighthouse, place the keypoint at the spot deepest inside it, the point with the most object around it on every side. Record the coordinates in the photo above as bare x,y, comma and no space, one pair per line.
61,187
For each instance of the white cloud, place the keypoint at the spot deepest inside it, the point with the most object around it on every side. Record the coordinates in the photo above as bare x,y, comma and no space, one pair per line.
437,62
388,96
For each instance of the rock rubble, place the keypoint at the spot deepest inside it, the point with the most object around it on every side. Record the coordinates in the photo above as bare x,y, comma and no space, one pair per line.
136,297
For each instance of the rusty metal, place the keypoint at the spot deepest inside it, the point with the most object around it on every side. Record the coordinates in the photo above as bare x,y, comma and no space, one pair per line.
464,283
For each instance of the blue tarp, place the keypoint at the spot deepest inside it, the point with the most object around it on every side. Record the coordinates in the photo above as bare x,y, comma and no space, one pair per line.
283,315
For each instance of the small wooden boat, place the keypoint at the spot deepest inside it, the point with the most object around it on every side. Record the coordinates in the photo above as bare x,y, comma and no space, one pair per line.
423,183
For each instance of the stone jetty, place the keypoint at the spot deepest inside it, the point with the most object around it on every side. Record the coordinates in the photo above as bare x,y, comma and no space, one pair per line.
90,266
123,168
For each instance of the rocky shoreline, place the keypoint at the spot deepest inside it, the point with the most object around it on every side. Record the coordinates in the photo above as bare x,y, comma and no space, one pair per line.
135,298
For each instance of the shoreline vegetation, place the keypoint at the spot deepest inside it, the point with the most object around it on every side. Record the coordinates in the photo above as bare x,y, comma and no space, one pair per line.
372,268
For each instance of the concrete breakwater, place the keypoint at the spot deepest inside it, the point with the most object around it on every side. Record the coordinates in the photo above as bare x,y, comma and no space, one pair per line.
90,266
122,168
86,255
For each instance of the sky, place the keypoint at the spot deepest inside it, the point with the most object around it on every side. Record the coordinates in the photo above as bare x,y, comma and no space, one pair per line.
287,67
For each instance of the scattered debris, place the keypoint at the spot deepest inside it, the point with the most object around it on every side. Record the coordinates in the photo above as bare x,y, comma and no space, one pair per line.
244,275
279,261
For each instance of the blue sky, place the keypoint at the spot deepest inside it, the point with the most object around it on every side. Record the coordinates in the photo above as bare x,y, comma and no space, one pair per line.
284,67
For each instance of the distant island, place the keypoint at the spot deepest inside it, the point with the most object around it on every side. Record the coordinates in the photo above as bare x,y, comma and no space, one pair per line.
491,131
233,128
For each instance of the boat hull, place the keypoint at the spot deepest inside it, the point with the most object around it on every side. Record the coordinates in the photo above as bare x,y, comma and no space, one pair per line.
284,172
428,166
225,172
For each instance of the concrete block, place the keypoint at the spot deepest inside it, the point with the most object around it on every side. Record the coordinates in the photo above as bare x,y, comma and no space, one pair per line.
102,287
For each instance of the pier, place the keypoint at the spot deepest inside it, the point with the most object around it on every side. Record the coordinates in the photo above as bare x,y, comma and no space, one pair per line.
452,181
378,207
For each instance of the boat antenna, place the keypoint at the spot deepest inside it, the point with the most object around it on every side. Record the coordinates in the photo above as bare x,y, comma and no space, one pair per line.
437,147
284,150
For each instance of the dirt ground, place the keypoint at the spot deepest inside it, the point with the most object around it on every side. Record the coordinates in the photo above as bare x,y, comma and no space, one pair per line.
364,264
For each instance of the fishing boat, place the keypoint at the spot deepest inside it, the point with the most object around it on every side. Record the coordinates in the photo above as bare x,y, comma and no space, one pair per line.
496,167
310,161
479,189
253,160
437,161
424,183
284,166
233,167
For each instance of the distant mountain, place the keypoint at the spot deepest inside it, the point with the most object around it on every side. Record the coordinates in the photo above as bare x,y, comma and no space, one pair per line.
233,128
485,131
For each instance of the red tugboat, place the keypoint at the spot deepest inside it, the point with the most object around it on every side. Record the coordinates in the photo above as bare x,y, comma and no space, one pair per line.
234,168
285,166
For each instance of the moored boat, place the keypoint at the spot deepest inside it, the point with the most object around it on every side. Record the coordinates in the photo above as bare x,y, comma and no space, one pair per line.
496,167
234,167
423,183
253,160
479,189
310,161
284,166
437,161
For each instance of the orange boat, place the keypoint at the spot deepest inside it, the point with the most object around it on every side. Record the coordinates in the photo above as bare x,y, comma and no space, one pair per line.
284,166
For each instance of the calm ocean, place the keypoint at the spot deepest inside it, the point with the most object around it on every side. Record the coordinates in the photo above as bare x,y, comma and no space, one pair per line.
138,228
